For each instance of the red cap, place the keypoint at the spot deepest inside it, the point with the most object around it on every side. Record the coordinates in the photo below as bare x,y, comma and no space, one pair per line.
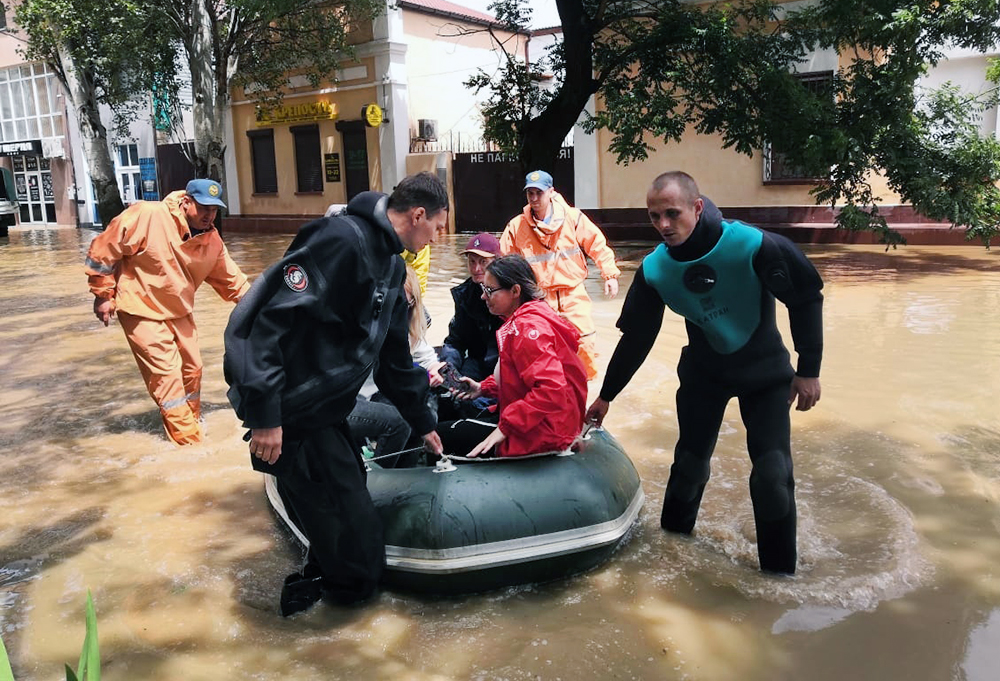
484,244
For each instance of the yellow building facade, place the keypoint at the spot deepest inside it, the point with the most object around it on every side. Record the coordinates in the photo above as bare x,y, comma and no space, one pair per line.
402,93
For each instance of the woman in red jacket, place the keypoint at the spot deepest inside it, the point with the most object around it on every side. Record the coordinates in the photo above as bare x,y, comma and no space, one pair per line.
540,383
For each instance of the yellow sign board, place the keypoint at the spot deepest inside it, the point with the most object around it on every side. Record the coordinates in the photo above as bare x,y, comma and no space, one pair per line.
297,113
373,115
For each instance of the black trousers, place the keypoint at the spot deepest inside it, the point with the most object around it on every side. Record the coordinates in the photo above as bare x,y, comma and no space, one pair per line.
461,436
701,404
323,485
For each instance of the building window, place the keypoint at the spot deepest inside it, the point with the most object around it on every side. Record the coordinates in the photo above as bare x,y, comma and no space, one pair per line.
30,106
129,173
35,192
265,173
778,168
3,16
308,165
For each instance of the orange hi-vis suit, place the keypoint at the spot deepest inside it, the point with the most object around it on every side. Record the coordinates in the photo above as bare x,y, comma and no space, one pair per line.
556,251
148,263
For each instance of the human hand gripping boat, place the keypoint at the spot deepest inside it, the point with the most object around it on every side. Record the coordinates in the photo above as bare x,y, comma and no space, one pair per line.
494,523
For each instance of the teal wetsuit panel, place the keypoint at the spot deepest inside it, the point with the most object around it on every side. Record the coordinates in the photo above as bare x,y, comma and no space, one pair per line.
719,292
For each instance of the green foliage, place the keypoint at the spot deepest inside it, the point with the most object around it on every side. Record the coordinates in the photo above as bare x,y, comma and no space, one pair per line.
119,47
6,673
89,668
260,42
515,90
663,68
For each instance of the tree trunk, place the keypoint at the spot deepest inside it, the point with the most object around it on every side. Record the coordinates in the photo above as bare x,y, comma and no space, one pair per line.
94,136
210,99
543,135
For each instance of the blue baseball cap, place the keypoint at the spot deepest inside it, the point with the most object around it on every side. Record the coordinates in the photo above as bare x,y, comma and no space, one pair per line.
206,192
539,179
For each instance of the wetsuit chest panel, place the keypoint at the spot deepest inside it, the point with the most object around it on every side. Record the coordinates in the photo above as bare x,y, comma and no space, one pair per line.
719,292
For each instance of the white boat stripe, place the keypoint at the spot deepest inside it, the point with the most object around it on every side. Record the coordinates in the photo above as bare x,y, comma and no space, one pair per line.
511,551
494,554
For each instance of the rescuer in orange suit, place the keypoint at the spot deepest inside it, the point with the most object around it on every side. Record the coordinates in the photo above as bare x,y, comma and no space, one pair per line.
146,267
555,238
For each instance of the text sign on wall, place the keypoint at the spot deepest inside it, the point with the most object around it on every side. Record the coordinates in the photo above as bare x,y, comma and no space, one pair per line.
565,153
489,188
373,115
331,162
25,148
297,113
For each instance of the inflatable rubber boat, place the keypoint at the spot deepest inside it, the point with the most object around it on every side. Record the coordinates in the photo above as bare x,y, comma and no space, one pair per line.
500,522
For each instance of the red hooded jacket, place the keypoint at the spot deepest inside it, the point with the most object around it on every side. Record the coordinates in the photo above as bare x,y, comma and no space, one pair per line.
542,392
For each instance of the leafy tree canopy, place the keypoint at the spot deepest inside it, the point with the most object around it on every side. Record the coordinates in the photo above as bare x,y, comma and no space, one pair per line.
119,47
259,42
661,67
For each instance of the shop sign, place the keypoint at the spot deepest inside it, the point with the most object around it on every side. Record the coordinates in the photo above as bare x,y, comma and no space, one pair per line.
373,115
297,113
25,148
331,162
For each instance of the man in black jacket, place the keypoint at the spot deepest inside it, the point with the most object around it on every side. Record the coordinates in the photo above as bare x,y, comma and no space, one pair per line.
298,348
471,344
723,277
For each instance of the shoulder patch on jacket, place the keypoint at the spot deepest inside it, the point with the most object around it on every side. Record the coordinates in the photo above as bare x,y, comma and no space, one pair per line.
295,278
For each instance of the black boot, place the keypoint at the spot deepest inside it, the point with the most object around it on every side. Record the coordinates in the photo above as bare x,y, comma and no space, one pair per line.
300,592
776,545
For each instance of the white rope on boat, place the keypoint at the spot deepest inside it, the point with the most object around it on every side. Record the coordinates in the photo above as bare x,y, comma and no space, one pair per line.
445,464
569,451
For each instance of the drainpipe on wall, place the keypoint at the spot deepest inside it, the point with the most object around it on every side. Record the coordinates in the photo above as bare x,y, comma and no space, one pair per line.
68,144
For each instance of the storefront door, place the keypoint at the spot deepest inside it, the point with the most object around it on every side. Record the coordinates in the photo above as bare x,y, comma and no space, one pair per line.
355,157
33,179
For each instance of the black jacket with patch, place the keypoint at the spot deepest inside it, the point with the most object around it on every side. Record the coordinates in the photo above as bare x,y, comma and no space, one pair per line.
301,342
472,333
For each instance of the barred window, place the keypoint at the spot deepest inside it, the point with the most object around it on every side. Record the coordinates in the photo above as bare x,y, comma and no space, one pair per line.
778,168
308,164
265,173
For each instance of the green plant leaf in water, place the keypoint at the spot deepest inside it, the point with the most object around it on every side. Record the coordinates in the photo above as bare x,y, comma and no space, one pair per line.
6,673
90,657
70,674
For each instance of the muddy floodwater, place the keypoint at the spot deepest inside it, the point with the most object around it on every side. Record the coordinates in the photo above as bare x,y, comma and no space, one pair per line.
898,488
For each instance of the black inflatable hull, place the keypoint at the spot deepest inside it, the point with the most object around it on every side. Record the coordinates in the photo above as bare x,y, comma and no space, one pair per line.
500,523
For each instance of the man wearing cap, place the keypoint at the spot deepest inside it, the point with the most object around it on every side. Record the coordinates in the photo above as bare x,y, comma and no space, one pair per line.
471,344
555,237
145,267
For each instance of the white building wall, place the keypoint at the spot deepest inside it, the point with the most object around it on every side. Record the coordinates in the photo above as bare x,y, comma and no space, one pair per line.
967,70
391,69
439,60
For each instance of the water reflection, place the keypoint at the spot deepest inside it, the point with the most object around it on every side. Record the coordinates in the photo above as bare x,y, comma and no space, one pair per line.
897,469
982,655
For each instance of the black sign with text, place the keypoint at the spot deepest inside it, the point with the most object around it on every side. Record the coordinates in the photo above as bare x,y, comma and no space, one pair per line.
331,162
23,148
489,188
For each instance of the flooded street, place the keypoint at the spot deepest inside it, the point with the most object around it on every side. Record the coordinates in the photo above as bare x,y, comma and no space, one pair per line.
897,479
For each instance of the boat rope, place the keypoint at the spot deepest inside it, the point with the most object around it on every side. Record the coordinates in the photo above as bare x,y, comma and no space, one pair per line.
569,451
399,453
444,462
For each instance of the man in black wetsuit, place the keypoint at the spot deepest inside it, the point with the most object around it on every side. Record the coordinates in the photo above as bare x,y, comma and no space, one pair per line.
300,345
723,277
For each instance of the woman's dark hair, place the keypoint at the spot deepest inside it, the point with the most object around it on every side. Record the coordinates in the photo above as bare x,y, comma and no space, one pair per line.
514,269
421,190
